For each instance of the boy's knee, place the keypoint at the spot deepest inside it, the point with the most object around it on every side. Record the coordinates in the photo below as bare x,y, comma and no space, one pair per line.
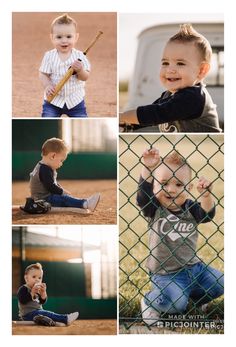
168,302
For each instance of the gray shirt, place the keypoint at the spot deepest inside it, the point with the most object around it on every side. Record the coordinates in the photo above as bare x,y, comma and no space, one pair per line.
190,109
43,182
172,236
25,302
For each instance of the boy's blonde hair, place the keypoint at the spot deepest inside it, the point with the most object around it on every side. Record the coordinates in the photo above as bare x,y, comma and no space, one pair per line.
188,34
36,266
177,159
63,19
54,145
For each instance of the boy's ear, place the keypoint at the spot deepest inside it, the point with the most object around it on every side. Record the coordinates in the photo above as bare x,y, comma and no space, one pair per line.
77,37
25,278
204,69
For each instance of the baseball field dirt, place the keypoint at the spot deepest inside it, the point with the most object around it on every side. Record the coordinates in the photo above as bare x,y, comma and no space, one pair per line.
31,39
79,327
105,213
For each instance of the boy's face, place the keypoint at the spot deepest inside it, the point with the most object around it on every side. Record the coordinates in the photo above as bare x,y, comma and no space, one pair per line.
56,159
64,37
182,66
34,276
171,185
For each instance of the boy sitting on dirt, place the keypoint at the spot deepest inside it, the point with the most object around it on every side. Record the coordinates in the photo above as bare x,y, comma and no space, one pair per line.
177,273
32,295
43,179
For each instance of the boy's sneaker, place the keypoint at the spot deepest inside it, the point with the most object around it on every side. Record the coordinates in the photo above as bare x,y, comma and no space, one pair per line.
71,317
44,320
149,314
92,201
204,308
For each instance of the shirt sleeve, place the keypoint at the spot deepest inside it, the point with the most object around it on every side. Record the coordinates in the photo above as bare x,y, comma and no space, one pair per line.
23,295
45,66
187,103
47,179
146,199
200,215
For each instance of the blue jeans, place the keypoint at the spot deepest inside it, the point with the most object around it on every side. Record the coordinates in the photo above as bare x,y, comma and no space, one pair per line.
65,201
62,318
52,111
171,292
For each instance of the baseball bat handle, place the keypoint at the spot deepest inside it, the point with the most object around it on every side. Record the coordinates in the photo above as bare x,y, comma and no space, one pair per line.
70,71
60,84
93,42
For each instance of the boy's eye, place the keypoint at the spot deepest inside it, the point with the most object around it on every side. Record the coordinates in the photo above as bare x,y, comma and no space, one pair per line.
69,36
180,63
179,184
165,63
58,37
164,184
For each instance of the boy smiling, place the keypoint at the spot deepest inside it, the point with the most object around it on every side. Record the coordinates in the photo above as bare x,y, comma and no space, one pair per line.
56,62
186,105
177,273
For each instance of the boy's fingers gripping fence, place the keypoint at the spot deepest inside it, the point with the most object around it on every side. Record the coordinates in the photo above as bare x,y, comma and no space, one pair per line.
36,206
70,71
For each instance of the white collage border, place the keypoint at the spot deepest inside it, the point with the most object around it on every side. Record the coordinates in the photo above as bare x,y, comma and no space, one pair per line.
120,6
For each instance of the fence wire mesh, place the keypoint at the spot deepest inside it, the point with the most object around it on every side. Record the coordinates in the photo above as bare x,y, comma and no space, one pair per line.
204,154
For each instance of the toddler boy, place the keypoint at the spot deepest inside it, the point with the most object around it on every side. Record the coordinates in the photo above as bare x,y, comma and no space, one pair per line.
56,62
186,105
43,179
33,294
177,273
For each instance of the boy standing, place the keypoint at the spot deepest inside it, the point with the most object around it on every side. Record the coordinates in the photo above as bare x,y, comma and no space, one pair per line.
43,179
55,63
33,294
186,105
177,273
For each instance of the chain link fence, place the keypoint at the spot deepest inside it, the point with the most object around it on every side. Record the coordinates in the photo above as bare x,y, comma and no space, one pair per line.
204,154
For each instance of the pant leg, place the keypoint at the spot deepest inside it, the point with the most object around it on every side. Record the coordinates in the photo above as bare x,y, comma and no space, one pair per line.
50,111
208,284
56,317
170,293
65,201
79,111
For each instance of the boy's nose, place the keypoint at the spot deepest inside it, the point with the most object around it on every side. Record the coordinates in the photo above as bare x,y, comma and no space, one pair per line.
170,189
171,69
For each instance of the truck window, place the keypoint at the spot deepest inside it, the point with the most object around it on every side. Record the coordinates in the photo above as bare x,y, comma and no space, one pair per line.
215,77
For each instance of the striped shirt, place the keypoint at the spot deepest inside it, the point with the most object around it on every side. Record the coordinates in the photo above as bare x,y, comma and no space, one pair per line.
73,91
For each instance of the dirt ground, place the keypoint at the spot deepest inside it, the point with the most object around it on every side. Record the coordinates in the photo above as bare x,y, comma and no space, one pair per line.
79,327
30,40
105,213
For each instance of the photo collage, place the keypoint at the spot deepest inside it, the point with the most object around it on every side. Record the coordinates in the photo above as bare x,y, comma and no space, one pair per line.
117,173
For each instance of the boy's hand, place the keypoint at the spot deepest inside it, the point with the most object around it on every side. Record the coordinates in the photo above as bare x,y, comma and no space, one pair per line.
77,66
43,290
151,157
128,117
204,187
50,89
36,290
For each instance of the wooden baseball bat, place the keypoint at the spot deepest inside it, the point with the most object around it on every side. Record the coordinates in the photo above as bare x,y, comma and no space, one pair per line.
70,71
